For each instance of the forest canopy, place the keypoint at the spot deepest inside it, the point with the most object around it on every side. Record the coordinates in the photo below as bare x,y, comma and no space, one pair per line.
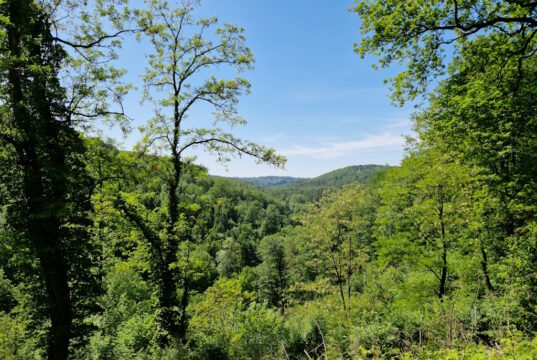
140,253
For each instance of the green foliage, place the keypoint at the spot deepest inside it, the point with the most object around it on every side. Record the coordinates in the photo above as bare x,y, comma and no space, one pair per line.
303,191
227,324
273,273
127,326
422,34
331,224
109,254
268,182
14,341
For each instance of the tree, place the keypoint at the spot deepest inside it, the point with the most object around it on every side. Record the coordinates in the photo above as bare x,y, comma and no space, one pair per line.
229,258
47,204
420,219
273,273
331,223
184,54
43,174
489,126
418,33
272,220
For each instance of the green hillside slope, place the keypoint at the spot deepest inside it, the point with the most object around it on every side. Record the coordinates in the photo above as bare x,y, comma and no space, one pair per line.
302,190
306,190
267,182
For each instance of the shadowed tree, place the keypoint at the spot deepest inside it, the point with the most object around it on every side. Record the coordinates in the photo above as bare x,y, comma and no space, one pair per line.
43,181
273,273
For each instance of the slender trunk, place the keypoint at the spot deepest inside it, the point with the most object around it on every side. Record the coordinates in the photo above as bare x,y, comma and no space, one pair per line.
173,314
484,266
172,321
169,318
281,290
340,281
183,322
349,271
340,268
349,291
443,276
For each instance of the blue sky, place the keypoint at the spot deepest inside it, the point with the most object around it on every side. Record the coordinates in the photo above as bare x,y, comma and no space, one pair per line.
312,98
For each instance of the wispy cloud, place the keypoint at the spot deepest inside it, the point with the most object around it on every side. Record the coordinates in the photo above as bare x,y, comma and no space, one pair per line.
386,123
353,120
338,149
397,124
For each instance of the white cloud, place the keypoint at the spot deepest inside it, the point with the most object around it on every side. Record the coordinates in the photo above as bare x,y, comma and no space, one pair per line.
335,150
397,124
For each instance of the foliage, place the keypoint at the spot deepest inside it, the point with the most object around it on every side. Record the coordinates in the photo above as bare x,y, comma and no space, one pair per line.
268,182
227,319
302,191
421,35
273,273
112,254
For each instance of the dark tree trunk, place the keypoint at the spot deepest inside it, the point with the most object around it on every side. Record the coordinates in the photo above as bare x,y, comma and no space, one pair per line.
55,274
443,276
281,290
173,317
42,198
341,292
43,232
484,266
183,322
168,304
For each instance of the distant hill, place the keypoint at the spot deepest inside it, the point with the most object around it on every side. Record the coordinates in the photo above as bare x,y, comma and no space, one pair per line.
362,174
268,182
302,190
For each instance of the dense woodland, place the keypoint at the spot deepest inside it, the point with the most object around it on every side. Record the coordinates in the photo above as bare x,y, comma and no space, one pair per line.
114,254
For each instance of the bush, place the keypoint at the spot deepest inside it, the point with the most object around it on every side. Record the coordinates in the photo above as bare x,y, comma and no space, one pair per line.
227,323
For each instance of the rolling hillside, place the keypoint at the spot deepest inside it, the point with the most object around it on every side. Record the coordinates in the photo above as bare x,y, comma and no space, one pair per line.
301,190
268,182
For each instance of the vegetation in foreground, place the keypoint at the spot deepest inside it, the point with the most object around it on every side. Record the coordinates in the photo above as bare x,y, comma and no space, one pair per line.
107,254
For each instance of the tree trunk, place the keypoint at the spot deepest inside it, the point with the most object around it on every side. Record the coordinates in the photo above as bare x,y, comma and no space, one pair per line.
43,234
168,314
484,266
183,322
55,273
340,281
170,319
443,276
42,226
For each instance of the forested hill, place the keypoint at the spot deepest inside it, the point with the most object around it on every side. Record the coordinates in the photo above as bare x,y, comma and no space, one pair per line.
268,182
362,174
302,190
